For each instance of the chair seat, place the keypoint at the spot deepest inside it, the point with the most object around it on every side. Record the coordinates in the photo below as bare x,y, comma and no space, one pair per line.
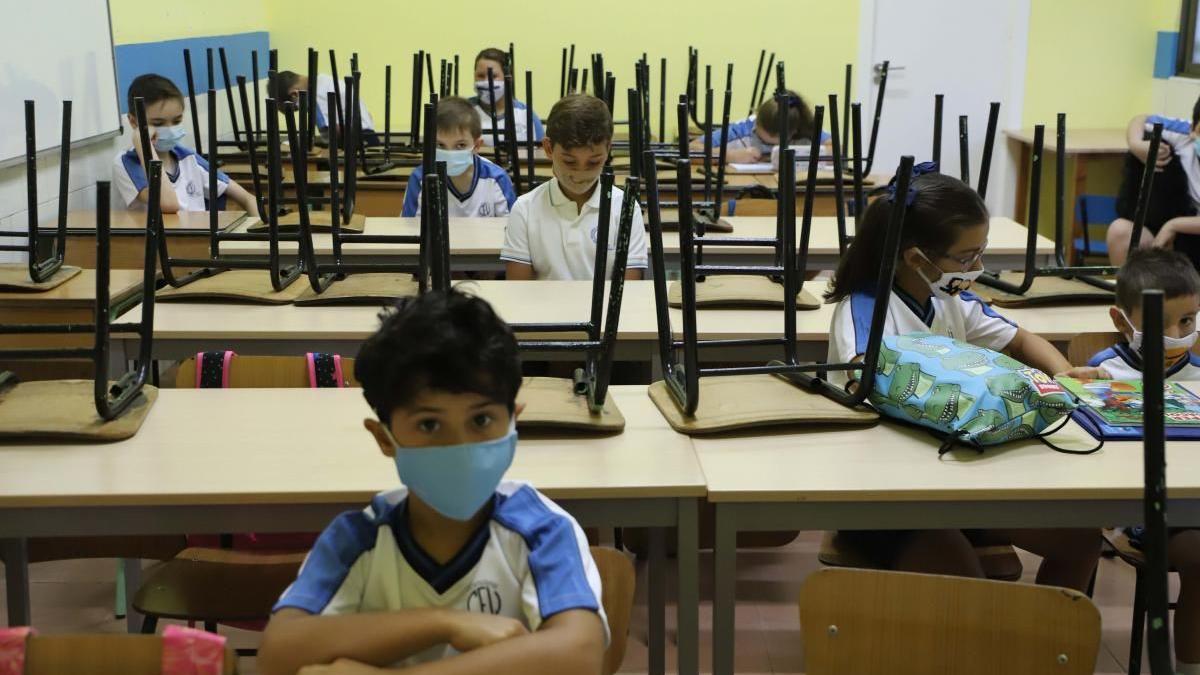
1000,562
202,584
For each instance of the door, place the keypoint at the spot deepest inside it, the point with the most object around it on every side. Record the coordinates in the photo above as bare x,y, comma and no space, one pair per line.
973,52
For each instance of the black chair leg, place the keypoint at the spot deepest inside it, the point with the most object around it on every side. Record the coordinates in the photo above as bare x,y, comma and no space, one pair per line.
1137,632
210,626
149,625
1091,589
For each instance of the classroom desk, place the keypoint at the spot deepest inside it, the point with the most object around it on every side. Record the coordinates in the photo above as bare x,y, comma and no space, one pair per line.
890,477
475,244
304,458
1084,145
187,234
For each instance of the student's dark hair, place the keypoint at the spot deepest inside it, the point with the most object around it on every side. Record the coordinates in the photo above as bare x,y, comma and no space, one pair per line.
800,119
456,114
942,207
284,81
499,56
579,120
152,89
444,340
1169,271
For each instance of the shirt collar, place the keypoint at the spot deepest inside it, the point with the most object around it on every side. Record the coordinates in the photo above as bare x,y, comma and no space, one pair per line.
923,312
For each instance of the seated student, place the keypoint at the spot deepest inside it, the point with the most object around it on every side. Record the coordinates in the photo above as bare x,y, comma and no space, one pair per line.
756,137
941,247
459,567
1171,218
497,61
185,173
288,86
552,229
1175,275
477,187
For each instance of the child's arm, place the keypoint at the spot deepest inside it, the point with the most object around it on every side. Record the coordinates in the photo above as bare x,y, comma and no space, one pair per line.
1141,148
167,197
515,271
634,274
571,642
1176,226
294,638
1088,373
241,197
1034,350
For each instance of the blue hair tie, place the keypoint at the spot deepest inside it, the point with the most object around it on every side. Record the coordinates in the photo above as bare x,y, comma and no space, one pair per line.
917,170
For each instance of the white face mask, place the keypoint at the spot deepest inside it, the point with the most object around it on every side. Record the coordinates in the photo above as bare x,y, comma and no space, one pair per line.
576,184
493,94
949,284
1173,348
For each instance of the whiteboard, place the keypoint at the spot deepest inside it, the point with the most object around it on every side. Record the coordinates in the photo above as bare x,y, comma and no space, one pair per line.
51,51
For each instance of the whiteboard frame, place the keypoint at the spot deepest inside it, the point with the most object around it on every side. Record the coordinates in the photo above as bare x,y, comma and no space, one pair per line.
97,138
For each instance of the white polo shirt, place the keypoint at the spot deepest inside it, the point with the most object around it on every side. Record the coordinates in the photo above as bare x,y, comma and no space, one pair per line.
964,317
546,230
190,180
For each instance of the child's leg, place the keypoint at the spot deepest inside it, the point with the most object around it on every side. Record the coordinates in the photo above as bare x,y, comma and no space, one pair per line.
1118,240
1183,550
1069,556
939,552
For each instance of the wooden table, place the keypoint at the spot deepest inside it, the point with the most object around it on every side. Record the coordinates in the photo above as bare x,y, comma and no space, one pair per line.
890,477
475,244
72,302
1084,145
302,457
187,235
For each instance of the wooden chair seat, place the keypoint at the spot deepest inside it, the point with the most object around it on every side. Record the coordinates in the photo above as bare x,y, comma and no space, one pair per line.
213,585
1000,561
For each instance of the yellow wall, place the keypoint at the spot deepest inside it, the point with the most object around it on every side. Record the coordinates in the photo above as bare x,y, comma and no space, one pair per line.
1093,59
389,31
150,20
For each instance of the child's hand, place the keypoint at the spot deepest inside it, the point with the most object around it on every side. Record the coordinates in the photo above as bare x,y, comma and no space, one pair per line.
137,144
1088,373
742,155
471,630
339,667
1166,236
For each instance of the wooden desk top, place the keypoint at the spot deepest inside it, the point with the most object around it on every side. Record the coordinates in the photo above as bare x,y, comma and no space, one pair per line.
308,446
891,463
1079,141
85,219
79,292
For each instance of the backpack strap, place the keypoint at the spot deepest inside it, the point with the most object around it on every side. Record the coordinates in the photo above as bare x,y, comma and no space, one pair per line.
187,651
212,369
12,649
325,370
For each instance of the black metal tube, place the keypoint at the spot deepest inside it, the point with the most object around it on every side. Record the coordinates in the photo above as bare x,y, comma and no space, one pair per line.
964,151
766,79
511,142
810,190
1143,202
354,96
491,80
338,114
562,78
1154,502
603,225
252,134
299,169
351,143
310,119
708,141
456,75
416,102
608,338
662,101
529,140
723,151
191,91
1060,181
687,280
856,163
989,141
839,196
257,102
780,82
237,138
387,115
273,61
938,101
762,55
429,72
883,75
787,215
213,228
635,130
31,198
658,267
335,196
212,74
846,114
682,121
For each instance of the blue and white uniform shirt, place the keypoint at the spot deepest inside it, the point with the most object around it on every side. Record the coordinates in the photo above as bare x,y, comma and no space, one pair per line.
1122,363
963,317
519,108
529,561
491,193
190,180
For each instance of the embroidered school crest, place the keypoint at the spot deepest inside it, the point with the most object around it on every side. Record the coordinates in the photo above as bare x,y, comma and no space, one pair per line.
485,210
484,599
191,189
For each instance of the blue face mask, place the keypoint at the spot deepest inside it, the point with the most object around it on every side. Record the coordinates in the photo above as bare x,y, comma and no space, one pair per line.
457,161
456,480
168,137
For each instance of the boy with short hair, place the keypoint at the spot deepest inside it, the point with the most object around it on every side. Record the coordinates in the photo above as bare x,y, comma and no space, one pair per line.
552,229
186,173
496,60
477,187
756,137
458,571
1174,274
1172,219
288,86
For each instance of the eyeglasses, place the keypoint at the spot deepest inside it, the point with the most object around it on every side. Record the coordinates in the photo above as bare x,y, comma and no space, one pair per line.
968,262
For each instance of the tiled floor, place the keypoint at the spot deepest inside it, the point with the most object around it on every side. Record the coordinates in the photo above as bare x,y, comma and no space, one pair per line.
77,596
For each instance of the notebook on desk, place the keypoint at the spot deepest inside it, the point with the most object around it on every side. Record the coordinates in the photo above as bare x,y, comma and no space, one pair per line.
1112,409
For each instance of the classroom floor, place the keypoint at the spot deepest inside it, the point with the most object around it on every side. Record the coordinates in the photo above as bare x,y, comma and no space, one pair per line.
77,596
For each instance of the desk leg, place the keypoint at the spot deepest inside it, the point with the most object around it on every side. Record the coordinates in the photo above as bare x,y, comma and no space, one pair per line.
657,600
132,569
15,553
724,592
688,643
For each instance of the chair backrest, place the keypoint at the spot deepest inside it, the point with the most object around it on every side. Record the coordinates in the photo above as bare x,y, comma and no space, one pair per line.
1084,346
618,580
263,372
871,622
111,654
1096,209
